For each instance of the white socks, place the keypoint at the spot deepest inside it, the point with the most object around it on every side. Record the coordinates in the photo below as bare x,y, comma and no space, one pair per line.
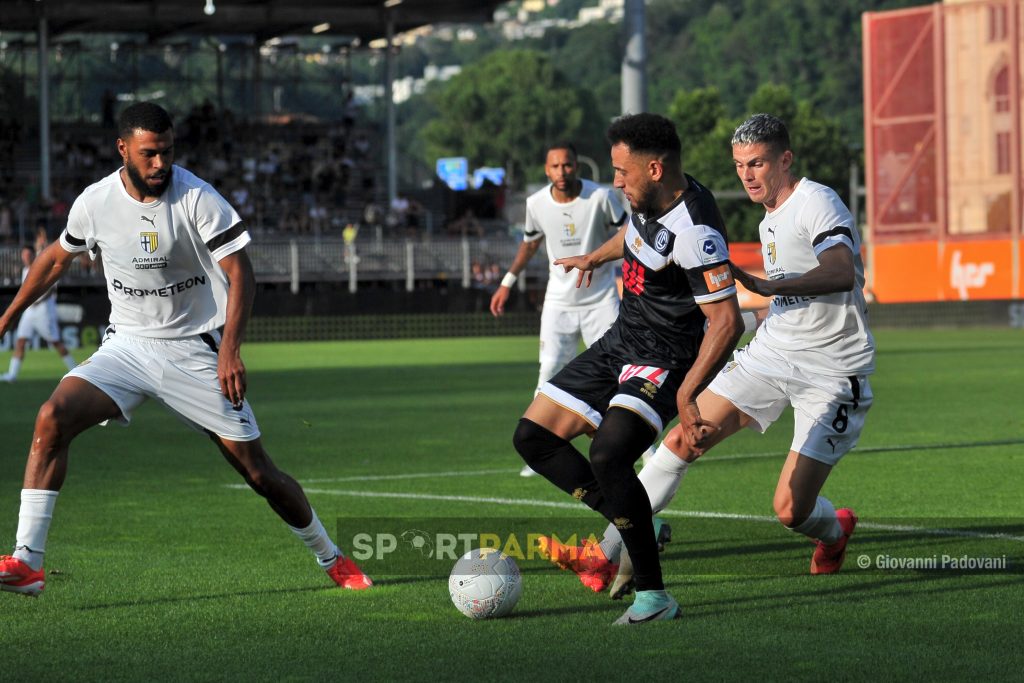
33,525
822,524
316,539
15,366
547,371
661,477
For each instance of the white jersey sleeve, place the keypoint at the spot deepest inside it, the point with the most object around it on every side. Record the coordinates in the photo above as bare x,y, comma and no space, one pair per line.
533,229
76,235
702,253
219,225
613,209
829,222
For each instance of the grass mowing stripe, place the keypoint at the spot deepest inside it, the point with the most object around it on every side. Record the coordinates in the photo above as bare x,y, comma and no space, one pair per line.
881,449
214,575
698,514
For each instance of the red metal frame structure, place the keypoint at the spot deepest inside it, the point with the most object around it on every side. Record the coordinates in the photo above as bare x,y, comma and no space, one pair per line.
943,223
903,120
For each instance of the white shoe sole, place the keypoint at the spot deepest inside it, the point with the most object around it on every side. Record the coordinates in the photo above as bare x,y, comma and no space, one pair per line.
31,589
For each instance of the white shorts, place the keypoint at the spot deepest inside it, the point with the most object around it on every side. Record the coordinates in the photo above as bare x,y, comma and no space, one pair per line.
40,319
828,412
561,330
179,373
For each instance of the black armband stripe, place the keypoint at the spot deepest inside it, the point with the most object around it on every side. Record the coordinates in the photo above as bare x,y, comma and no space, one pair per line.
228,235
834,232
72,240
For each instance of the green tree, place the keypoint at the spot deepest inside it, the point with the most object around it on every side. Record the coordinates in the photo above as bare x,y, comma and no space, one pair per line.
695,112
821,151
504,110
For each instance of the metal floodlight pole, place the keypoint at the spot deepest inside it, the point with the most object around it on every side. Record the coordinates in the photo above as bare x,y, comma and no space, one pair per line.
392,154
634,60
44,111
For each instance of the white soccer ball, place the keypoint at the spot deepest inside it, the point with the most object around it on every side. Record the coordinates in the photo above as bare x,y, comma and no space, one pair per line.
485,583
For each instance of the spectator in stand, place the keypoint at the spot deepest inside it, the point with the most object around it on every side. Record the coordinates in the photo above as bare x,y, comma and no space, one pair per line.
6,223
107,107
466,225
42,236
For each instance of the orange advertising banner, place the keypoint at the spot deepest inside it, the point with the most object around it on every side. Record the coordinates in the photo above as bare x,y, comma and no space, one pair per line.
945,271
747,256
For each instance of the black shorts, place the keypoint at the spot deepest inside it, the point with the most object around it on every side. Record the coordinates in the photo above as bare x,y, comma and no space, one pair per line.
604,376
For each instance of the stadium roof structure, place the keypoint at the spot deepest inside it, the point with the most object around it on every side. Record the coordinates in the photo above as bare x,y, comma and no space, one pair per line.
263,19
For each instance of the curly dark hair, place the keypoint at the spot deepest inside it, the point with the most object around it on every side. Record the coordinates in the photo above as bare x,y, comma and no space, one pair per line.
143,116
646,134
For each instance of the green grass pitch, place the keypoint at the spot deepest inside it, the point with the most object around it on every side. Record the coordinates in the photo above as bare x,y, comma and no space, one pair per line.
160,568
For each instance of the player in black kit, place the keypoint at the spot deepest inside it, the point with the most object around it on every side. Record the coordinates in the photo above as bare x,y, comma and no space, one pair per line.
648,367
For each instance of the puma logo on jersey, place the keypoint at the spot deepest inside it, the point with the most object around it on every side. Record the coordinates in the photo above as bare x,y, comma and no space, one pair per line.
151,221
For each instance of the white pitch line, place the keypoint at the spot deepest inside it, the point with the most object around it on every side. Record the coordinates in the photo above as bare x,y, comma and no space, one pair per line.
708,459
411,475
699,514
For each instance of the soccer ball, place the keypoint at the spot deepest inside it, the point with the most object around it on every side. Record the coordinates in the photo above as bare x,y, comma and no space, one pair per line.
485,583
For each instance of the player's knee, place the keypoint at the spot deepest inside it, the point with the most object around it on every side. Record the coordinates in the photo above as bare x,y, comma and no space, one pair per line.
259,471
611,458
50,430
786,511
533,442
680,448
619,443
603,461
263,477
258,481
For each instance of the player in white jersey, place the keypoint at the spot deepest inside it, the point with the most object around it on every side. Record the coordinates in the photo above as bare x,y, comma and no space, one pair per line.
177,272
813,351
570,216
39,318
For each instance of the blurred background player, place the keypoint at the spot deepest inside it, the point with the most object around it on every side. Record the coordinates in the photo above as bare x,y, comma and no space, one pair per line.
164,340
572,216
679,322
39,318
813,351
